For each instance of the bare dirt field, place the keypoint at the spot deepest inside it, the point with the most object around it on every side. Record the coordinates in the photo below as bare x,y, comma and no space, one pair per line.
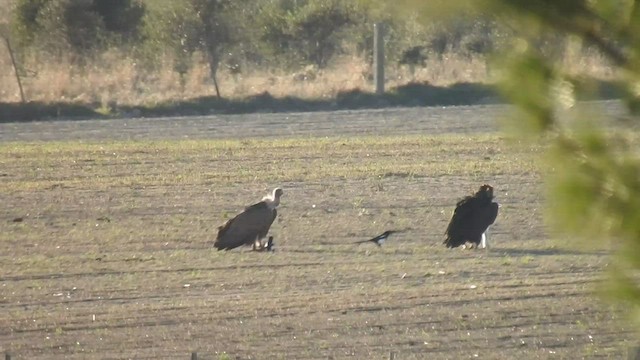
106,232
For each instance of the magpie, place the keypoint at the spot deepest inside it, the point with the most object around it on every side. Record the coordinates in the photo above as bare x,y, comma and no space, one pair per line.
378,240
269,246
261,246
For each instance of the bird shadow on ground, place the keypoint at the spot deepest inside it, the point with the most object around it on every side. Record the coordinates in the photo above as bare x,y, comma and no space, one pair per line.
545,252
329,248
409,95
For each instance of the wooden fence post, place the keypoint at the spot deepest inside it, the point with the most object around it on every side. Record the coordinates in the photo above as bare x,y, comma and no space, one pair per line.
378,57
15,70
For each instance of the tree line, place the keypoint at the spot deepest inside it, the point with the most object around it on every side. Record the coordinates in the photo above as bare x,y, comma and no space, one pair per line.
283,34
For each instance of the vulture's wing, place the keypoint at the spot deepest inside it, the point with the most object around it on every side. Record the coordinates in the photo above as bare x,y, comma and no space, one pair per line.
488,216
253,223
460,220
461,215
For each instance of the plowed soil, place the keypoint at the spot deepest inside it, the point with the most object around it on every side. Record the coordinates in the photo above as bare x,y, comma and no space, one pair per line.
106,232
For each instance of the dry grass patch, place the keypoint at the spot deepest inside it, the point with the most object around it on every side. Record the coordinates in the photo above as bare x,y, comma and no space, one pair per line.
114,78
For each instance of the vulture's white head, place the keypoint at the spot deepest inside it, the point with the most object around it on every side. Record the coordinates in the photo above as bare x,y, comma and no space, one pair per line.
273,199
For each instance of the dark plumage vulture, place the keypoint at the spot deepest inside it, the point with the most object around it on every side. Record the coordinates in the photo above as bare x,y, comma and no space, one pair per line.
250,226
471,219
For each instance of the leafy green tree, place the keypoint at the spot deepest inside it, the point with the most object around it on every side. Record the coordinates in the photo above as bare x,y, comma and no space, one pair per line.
121,18
216,31
170,33
76,26
594,174
212,27
313,31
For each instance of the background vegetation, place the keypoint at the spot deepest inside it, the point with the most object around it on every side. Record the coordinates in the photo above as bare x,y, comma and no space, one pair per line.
149,51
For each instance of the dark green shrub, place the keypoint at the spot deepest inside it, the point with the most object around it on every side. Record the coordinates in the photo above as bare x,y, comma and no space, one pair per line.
76,26
122,18
305,32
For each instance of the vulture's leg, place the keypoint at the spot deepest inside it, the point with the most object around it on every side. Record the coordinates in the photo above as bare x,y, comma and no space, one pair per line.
485,239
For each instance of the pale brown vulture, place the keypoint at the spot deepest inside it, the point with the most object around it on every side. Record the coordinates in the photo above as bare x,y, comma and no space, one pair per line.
250,226
471,219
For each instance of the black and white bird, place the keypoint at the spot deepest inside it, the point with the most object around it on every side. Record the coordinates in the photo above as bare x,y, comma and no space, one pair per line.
250,226
264,246
471,220
378,240
269,246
